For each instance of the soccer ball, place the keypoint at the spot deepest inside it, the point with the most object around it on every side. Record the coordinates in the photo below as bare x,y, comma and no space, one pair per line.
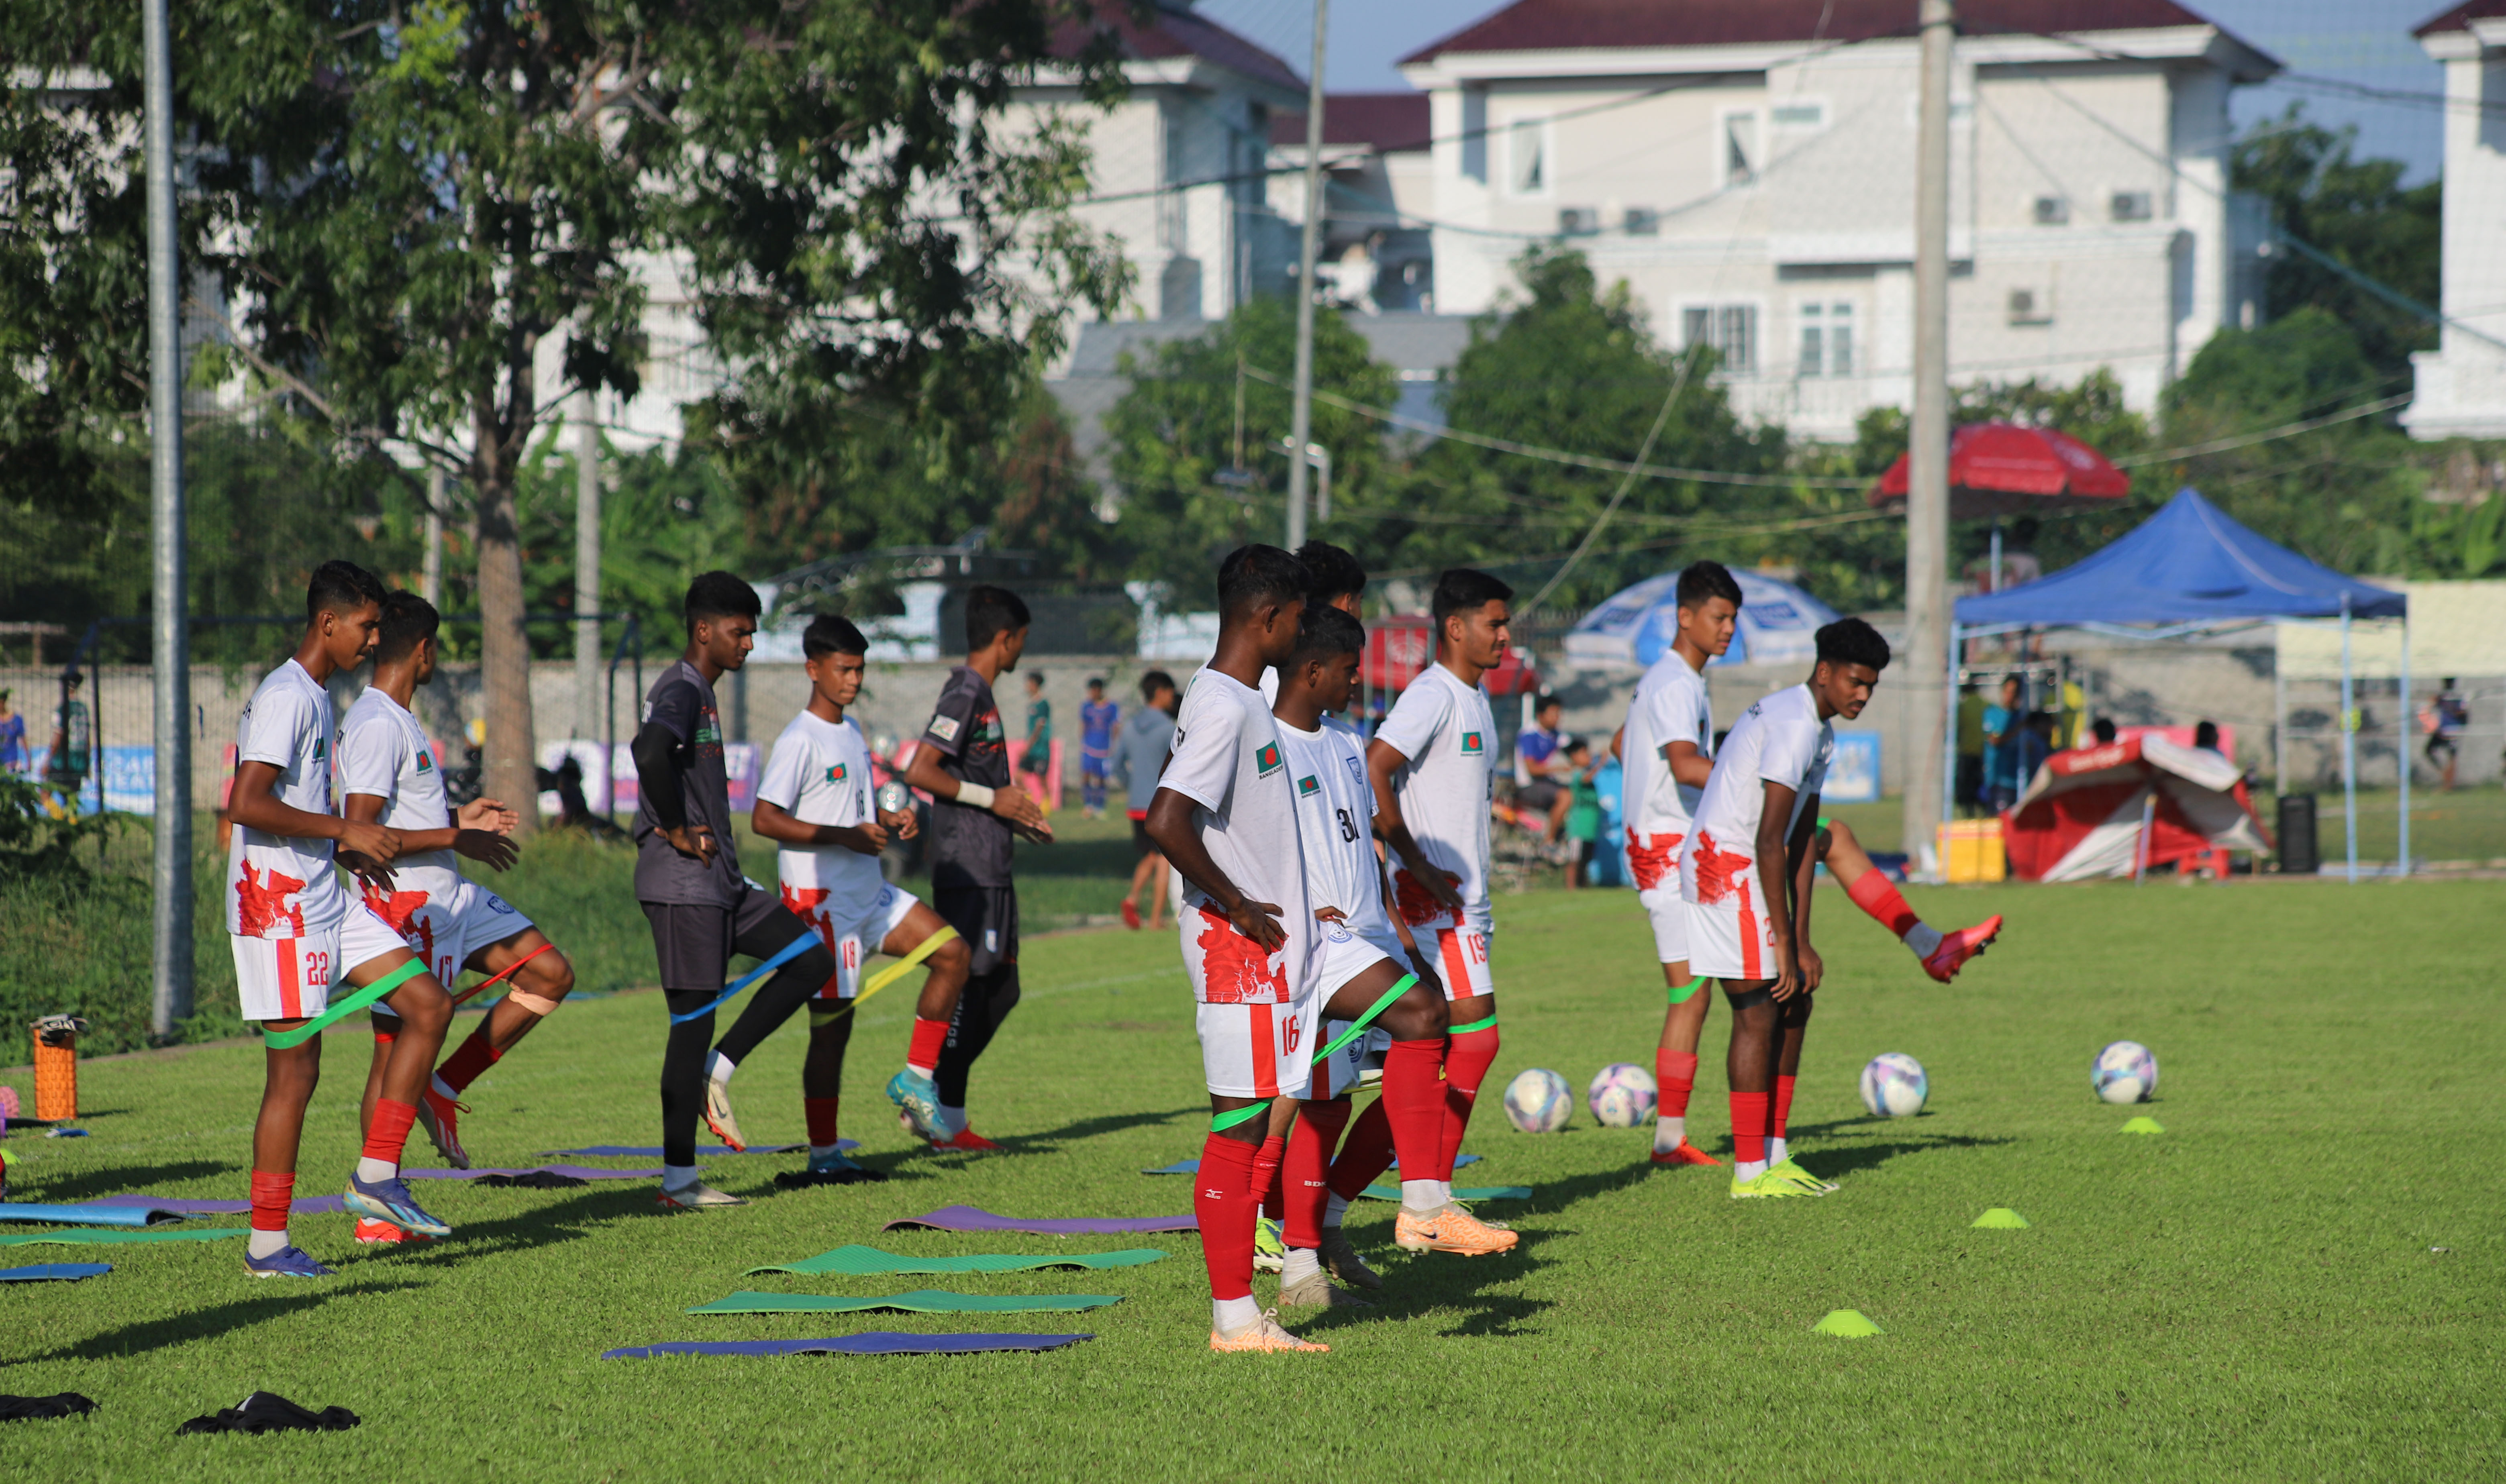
2124,1072
1538,1100
1623,1095
1894,1086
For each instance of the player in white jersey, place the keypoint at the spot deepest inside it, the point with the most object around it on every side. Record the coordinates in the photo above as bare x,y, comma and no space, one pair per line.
297,934
1746,874
1225,816
1666,749
388,774
1433,767
818,803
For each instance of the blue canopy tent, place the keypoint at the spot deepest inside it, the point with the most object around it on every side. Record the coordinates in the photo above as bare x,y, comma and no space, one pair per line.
2188,570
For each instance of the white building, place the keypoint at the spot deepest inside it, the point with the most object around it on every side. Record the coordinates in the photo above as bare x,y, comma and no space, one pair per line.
2460,388
1747,167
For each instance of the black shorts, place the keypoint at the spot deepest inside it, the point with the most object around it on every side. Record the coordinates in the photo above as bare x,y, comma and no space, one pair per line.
1538,794
1141,844
696,943
2439,742
987,917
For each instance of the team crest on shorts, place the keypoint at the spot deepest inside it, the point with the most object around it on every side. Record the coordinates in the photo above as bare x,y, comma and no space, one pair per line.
1472,744
1266,761
1309,786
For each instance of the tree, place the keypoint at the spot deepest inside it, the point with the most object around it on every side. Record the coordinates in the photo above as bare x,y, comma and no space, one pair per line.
2358,213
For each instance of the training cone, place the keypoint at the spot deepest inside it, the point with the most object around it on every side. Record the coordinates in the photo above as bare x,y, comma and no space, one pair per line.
2144,1124
1846,1325
2001,1218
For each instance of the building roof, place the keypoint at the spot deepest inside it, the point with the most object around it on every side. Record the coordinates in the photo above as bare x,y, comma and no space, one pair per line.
1174,29
1559,25
2459,17
1390,122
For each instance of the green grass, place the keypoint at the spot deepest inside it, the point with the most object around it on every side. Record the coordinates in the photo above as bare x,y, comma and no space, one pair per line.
2254,1294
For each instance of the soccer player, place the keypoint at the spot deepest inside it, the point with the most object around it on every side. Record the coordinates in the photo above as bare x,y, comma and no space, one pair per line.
1225,814
1756,823
816,802
976,814
1667,748
1097,716
295,931
1364,952
388,775
701,909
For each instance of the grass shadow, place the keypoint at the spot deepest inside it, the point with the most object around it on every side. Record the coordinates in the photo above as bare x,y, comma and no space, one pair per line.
73,1188
1848,1158
1416,1283
205,1323
1552,1197
567,1220
1089,1129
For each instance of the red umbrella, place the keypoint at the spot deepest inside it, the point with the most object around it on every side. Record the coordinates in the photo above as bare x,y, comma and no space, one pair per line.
1398,647
2001,468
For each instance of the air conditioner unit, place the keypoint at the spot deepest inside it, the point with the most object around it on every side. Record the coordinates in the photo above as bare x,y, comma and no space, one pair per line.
1579,222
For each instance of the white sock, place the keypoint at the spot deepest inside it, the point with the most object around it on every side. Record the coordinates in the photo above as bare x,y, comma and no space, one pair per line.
823,1151
371,1170
1335,1208
1229,1315
952,1121
719,1068
1302,1262
678,1176
442,1088
1744,1171
925,1073
1669,1133
1776,1151
1445,1191
1923,938
266,1244
1422,1195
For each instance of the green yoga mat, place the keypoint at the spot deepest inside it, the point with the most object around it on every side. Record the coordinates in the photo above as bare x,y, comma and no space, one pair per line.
870,1262
920,1301
1460,1192
111,1235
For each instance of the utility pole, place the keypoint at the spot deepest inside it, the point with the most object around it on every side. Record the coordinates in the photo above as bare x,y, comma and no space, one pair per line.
1931,670
588,719
430,569
1302,420
170,605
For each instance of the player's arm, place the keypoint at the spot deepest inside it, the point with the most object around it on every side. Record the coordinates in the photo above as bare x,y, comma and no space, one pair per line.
1803,883
923,772
1617,738
1773,876
772,821
1170,826
256,805
1688,765
654,749
486,847
1383,761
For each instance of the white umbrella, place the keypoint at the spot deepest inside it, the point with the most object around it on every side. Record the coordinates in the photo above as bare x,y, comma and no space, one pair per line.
1779,624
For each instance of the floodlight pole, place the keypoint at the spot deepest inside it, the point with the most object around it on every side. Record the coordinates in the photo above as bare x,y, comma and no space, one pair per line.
588,720
1302,418
170,603
1930,663
2349,747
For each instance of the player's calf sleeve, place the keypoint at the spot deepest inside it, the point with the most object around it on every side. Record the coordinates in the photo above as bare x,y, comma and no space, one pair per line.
1222,1202
1467,1057
390,1131
1783,1107
1306,1174
468,1060
923,1053
821,1115
1748,1128
1266,1194
1878,895
683,1060
1674,1073
272,1198
1413,1101
1367,1152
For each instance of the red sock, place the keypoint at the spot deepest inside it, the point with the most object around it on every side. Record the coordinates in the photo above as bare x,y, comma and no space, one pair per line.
821,1115
1266,1177
1748,1127
1878,895
1783,1105
273,1196
469,1059
1222,1201
1308,1168
924,1054
1367,1152
1467,1058
1676,1073
1414,1101
390,1131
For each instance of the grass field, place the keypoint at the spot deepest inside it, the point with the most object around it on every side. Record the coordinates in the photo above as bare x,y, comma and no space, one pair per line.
2300,1277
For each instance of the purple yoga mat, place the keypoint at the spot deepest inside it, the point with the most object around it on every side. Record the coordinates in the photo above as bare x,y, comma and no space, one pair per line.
654,1151
313,1204
876,1342
970,1219
575,1171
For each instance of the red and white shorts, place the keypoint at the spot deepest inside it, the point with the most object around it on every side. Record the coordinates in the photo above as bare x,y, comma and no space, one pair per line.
1730,937
849,943
445,928
1652,860
291,978
1461,954
1260,1050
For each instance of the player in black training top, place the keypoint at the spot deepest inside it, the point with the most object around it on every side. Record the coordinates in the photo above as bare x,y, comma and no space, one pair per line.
963,763
687,880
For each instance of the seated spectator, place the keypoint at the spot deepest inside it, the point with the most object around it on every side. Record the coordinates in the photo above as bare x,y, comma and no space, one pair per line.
1583,822
1539,768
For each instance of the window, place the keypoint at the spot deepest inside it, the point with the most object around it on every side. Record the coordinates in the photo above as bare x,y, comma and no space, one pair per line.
1800,116
1740,166
2132,206
2052,211
1730,330
1826,340
1579,222
1642,222
2029,307
1528,163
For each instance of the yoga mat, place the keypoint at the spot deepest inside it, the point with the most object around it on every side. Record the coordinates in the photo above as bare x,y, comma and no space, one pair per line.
570,1171
920,1301
41,1271
970,1219
311,1205
96,1214
870,1262
1460,1192
876,1342
100,1238
716,1152
1192,1166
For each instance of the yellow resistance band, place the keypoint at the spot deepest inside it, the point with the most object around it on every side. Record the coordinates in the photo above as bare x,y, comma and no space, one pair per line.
896,971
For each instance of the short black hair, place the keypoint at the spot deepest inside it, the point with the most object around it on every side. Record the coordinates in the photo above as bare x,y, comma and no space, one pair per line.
991,611
1330,572
1544,701
340,588
2205,734
832,634
2104,730
1573,745
409,620
1702,583
1258,573
1852,642
1460,589
1035,678
1324,632
1153,683
720,596
1095,682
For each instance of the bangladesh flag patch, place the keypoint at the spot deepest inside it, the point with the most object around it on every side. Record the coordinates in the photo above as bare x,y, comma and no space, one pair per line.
1266,761
836,775
425,762
1472,744
1308,787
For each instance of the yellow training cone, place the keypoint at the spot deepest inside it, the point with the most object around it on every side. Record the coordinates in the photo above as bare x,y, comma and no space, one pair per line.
1846,1325
2001,1218
2144,1124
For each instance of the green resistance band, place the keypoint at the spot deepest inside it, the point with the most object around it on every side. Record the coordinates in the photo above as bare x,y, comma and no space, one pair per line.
280,1041
1220,1123
1680,993
1358,1027
1476,1025
892,973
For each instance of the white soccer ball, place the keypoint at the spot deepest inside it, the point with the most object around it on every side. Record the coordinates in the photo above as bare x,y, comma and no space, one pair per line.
2125,1071
1538,1100
1895,1086
1623,1095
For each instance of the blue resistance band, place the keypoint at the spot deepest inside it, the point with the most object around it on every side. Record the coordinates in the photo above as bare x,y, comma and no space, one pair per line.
791,950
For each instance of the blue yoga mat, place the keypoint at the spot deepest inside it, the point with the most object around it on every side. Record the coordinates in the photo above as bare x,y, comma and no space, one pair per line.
89,1216
876,1342
41,1271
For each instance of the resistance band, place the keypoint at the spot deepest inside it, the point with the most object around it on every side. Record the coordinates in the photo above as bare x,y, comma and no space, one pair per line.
508,972
1220,1123
1358,1027
280,1041
1681,993
1476,1025
791,950
896,971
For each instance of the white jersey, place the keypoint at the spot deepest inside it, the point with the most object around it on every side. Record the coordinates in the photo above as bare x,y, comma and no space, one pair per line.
384,752
1670,705
1780,739
1335,815
1448,735
278,886
1226,758
819,774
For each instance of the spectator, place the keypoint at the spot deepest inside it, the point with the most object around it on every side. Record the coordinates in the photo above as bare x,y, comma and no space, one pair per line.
1141,756
2103,730
1038,759
1097,719
2002,725
2206,735
1583,823
2035,745
2447,716
1539,771
12,738
73,740
1970,748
